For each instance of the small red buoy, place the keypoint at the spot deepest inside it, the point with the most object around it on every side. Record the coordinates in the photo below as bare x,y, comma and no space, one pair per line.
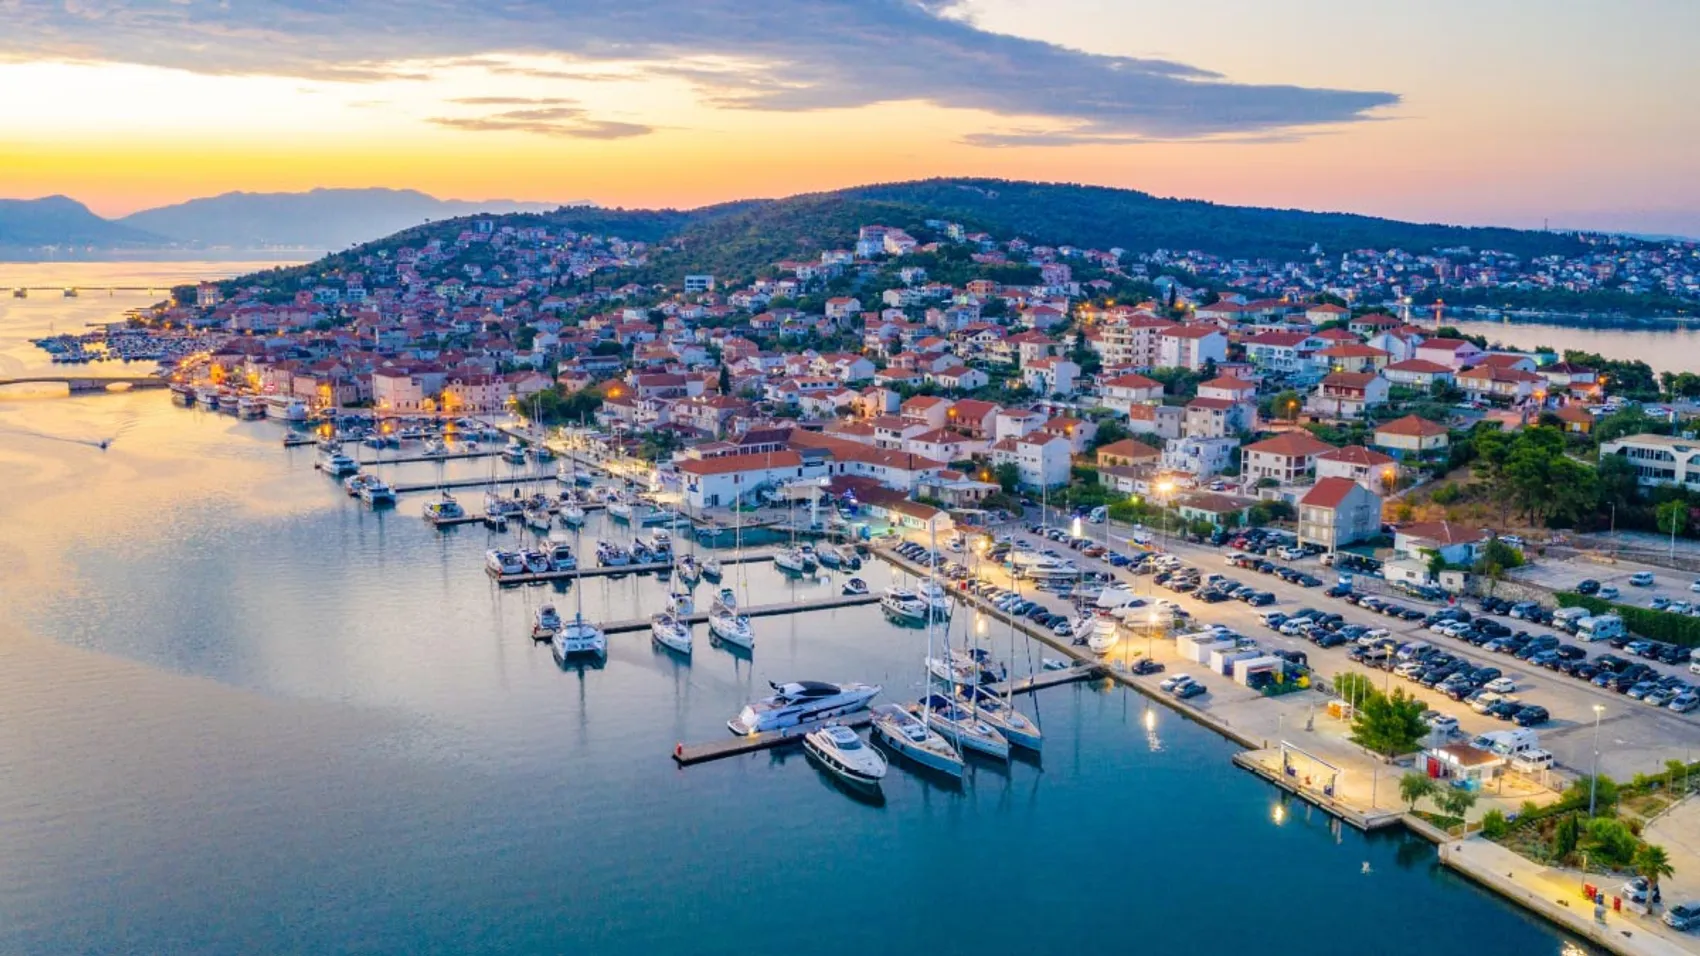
679,749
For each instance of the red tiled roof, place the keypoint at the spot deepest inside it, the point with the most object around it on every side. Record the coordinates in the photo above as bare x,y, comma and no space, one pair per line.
1412,427
728,464
1356,455
1328,492
1291,445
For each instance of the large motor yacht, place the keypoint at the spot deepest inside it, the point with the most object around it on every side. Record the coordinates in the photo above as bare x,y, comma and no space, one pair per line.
799,701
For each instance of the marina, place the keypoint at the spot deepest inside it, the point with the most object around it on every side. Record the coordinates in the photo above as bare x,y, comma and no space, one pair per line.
347,676
687,754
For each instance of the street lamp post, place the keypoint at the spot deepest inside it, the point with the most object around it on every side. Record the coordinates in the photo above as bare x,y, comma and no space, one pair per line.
1594,771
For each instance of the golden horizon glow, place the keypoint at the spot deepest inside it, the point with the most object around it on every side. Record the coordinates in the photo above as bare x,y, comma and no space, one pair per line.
122,137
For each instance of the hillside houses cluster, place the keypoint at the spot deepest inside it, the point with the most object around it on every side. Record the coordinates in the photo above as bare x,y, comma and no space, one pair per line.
926,388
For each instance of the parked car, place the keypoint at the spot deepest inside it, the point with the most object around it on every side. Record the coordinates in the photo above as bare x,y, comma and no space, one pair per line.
1530,716
1642,579
1591,586
1608,591
1683,916
1190,690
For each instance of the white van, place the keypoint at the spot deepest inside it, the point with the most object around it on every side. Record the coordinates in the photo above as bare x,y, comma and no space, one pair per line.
1098,514
1408,651
1507,743
1599,628
1532,761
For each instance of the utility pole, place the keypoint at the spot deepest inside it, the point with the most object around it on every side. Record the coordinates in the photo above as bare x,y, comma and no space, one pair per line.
1594,772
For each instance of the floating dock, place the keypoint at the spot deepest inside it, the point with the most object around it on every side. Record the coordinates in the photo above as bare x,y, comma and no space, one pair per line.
688,754
760,610
473,483
534,576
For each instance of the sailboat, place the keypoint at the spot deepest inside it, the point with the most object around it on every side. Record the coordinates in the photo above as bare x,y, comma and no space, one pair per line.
953,721
724,621
671,631
911,736
679,600
712,569
572,516
793,559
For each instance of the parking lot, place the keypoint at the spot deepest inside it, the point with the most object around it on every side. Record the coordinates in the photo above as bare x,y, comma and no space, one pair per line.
1633,737
1567,575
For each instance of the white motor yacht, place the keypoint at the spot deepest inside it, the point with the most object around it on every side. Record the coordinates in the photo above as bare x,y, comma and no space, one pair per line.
1015,726
910,736
1115,595
842,753
445,508
958,725
503,562
546,622
935,597
249,407
854,586
513,452
792,703
1104,634
903,605
671,632
561,557
579,637
286,408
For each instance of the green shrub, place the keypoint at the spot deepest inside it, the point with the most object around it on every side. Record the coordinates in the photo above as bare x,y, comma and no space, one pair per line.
1678,629
1494,825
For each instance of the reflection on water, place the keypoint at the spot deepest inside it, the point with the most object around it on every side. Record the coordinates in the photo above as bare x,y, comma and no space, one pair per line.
239,712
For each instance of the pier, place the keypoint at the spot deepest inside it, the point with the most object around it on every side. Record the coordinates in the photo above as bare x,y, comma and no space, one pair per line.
760,610
471,483
687,754
532,577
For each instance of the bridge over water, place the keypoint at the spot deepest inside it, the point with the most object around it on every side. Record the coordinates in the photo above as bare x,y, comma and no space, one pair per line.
88,383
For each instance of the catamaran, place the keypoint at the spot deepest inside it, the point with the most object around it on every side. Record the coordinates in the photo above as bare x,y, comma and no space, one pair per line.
579,636
377,493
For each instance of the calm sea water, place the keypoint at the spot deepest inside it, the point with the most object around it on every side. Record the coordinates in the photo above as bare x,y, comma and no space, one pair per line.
1675,348
241,714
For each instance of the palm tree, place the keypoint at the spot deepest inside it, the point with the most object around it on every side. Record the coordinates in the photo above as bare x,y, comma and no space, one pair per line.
1414,787
1652,862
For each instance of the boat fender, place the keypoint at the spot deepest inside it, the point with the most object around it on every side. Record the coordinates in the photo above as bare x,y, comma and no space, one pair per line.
679,749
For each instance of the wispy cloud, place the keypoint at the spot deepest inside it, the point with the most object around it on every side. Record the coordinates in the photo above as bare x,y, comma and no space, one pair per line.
792,55
568,121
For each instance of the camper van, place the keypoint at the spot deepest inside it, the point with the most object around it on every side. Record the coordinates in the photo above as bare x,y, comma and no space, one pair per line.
1507,743
1602,627
1565,618
1532,761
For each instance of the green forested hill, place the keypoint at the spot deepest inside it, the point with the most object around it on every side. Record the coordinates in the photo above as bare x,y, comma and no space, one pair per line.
737,241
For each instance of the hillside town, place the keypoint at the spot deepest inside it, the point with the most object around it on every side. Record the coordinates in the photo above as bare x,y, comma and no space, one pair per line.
1217,408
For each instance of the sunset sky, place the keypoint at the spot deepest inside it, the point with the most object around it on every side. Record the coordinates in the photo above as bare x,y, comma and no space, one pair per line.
1508,111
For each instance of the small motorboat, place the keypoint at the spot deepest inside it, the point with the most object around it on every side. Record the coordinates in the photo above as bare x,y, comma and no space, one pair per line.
536,561
547,623
514,452
843,754
713,570
561,557
903,605
502,562
855,586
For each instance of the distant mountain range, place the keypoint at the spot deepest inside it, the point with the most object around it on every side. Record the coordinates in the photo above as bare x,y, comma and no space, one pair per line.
739,238
318,221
